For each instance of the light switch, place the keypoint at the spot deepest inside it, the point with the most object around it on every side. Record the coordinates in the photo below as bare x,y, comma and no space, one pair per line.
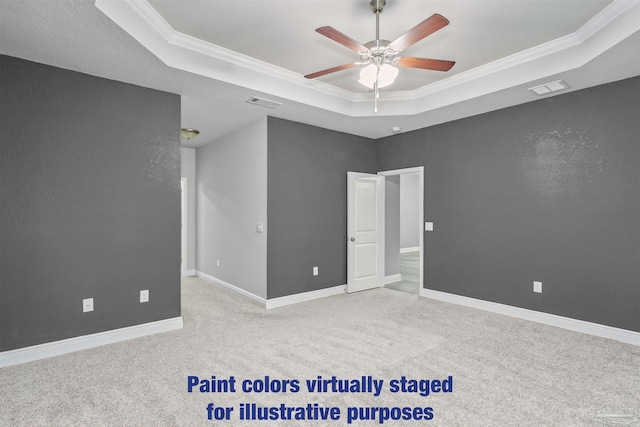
428,226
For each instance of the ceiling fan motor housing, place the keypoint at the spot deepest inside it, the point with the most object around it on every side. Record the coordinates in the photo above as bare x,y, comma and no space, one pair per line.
378,53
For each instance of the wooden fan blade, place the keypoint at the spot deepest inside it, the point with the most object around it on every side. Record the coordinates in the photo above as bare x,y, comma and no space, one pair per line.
330,70
425,63
420,31
341,38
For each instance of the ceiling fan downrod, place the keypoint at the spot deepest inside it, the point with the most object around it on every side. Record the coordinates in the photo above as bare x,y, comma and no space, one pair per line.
376,7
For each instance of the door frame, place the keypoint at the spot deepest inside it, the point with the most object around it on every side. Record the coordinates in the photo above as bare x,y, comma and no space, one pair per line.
183,226
420,171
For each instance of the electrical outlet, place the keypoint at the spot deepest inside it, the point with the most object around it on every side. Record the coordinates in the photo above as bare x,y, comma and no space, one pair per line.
537,287
428,226
315,271
144,295
87,305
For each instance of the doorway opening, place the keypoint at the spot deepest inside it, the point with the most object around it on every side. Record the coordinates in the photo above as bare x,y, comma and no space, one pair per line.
183,219
404,216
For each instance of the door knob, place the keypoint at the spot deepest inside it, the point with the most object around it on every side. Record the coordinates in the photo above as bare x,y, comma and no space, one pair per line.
353,239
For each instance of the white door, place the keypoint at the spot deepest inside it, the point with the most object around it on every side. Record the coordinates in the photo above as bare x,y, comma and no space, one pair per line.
365,231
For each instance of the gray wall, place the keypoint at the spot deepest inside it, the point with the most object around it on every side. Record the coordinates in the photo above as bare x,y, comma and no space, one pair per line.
307,190
232,199
89,204
392,225
410,229
188,170
548,191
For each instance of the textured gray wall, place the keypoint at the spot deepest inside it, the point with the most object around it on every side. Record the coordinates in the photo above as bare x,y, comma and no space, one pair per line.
547,191
232,200
89,204
307,193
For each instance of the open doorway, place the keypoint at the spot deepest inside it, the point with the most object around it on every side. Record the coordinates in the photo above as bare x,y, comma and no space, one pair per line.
183,219
403,229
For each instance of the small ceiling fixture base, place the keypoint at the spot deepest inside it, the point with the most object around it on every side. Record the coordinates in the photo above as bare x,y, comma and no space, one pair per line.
188,133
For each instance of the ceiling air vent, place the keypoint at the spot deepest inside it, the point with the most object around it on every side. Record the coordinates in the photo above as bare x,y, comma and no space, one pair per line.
549,87
263,102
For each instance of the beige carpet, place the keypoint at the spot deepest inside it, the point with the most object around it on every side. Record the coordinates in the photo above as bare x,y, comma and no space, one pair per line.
506,372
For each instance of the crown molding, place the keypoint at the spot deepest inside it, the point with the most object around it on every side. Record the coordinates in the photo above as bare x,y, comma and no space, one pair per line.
616,22
608,16
147,13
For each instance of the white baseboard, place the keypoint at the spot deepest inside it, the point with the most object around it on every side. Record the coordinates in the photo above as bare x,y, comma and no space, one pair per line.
305,296
623,335
276,302
208,278
392,278
190,273
56,348
411,249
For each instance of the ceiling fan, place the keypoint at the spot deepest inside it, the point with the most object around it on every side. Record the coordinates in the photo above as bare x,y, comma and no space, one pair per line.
380,57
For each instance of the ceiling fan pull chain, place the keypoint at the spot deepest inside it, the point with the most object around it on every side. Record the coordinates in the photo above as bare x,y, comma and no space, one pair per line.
375,104
376,93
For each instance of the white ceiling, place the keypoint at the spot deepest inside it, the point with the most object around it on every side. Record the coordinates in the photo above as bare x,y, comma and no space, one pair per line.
282,32
217,54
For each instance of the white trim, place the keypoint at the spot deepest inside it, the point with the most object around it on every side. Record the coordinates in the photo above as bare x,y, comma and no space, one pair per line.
213,280
412,249
623,335
190,273
276,302
305,296
392,278
56,348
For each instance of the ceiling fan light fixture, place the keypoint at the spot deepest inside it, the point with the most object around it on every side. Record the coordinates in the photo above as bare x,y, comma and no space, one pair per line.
379,56
386,76
188,133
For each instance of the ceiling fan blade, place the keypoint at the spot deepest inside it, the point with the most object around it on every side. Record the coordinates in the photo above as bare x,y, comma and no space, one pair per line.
420,31
330,70
425,63
341,38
